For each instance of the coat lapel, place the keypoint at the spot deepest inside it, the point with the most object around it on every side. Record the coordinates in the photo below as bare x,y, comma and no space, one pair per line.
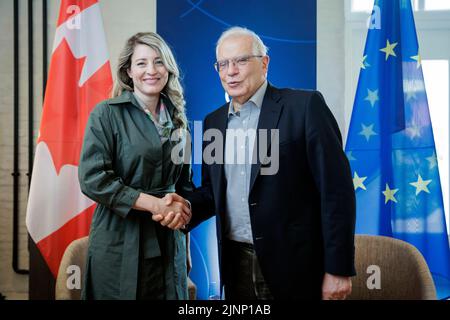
268,119
220,122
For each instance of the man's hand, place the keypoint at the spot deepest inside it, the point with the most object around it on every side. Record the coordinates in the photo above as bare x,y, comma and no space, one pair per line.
176,212
336,287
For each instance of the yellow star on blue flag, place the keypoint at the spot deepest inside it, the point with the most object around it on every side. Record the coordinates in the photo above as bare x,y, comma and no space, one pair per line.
389,49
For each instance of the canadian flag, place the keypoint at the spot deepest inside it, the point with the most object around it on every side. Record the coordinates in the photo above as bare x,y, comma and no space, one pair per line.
79,78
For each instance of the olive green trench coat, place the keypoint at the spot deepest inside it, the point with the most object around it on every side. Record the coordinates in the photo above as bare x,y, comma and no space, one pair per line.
122,156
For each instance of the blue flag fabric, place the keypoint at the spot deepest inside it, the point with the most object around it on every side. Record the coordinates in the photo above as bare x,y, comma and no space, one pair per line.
390,143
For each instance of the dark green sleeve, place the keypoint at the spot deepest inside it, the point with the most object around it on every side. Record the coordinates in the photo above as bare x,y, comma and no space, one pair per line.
95,172
333,179
185,185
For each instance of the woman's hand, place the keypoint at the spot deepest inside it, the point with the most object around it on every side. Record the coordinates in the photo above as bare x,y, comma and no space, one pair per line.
169,211
178,212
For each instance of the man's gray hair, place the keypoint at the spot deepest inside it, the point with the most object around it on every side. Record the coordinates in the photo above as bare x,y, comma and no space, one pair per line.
259,48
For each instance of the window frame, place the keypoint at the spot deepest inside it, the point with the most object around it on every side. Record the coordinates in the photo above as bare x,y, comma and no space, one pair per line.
440,17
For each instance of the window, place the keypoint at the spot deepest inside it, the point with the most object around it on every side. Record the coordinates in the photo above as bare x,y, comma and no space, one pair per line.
436,72
437,5
362,5
367,5
418,5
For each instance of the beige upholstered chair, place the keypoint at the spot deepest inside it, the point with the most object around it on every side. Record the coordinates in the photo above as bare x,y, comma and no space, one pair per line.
390,269
75,255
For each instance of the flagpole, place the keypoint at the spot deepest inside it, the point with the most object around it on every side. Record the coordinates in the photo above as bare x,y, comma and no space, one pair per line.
30,91
16,173
44,46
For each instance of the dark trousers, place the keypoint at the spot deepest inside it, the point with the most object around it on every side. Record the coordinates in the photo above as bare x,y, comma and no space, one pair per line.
151,274
151,284
243,279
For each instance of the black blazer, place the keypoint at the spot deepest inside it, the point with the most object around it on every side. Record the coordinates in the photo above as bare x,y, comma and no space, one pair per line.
303,217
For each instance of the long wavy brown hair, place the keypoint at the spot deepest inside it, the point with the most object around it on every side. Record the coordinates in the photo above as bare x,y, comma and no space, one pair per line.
173,89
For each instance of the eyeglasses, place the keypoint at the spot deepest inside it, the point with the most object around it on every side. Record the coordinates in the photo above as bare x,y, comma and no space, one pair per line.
238,61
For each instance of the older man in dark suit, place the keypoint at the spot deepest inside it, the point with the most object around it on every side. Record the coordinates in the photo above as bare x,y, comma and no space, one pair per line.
286,213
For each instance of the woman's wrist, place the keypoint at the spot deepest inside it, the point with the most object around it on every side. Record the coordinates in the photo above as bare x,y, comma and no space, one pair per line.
147,202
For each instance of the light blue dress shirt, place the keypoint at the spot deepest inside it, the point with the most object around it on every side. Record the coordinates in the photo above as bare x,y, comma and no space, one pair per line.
240,138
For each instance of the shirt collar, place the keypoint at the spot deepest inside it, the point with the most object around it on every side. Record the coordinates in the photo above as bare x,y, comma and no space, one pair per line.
125,97
129,97
162,110
257,98
140,102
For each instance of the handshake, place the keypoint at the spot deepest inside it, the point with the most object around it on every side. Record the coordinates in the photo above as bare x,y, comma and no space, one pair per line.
172,211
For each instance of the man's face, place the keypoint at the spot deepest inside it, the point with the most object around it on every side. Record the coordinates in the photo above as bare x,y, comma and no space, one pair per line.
241,81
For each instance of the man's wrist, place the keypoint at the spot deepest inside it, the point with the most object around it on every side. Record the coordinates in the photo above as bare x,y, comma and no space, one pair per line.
188,203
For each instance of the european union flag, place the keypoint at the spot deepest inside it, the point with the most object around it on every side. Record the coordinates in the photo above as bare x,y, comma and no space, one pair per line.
390,143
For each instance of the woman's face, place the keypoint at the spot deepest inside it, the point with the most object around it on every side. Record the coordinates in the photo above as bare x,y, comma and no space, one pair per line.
148,71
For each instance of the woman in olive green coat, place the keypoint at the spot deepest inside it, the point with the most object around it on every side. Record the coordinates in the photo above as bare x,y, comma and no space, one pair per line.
126,166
